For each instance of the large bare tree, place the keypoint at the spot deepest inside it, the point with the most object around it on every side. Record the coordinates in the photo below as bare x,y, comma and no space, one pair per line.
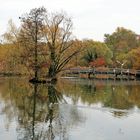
58,34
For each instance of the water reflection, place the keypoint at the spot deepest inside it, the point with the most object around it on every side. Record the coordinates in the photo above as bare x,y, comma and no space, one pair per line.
52,124
118,97
53,98
68,110
39,111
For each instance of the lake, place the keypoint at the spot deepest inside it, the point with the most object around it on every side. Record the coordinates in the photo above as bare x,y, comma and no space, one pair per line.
73,109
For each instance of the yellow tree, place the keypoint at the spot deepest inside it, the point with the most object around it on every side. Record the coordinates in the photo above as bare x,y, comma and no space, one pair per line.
10,48
59,39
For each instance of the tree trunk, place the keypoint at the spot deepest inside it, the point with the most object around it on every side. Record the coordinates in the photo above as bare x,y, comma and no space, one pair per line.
52,70
52,74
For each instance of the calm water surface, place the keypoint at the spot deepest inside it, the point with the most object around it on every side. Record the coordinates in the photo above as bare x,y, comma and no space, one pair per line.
73,109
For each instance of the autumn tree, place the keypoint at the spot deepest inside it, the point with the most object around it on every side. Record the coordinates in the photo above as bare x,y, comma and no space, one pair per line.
30,37
76,60
53,30
98,62
121,42
96,51
11,35
58,34
133,59
10,49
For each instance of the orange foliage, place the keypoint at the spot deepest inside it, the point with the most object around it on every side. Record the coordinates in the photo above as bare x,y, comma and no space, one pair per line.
98,62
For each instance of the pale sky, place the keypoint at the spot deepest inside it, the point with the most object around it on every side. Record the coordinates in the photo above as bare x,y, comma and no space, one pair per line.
91,18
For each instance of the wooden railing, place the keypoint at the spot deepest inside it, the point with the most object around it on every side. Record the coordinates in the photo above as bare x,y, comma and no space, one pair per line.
106,71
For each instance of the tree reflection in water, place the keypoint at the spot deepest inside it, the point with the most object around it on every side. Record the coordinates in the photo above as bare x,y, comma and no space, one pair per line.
118,97
51,122
46,129
40,111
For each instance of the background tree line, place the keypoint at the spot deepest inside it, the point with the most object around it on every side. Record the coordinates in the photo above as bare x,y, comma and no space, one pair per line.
44,45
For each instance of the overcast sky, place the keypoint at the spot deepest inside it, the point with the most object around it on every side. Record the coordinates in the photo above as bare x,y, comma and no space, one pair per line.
91,18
